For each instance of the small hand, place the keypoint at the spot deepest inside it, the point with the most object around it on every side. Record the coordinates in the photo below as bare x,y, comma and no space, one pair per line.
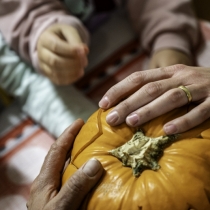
145,95
46,192
62,55
169,57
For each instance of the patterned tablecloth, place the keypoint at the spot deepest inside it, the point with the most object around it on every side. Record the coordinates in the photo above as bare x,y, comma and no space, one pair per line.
24,144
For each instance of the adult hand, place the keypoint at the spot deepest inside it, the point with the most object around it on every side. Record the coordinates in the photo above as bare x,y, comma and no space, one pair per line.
168,57
62,55
45,191
145,95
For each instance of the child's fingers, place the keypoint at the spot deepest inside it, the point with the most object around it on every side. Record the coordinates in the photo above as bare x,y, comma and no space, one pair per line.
63,77
55,44
58,63
71,35
73,38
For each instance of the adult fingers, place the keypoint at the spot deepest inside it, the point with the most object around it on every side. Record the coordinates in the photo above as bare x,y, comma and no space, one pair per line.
135,81
174,98
54,162
168,101
140,98
193,118
77,187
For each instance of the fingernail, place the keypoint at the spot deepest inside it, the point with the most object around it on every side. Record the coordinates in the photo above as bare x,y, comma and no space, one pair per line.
92,167
170,129
104,102
132,119
112,117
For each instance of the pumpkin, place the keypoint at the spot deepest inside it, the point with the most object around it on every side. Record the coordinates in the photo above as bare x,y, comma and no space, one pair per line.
181,183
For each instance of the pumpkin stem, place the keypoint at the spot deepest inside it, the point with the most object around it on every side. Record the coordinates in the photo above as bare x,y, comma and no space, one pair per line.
142,152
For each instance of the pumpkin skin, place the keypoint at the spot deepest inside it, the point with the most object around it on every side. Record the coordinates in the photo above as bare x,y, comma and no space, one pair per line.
182,182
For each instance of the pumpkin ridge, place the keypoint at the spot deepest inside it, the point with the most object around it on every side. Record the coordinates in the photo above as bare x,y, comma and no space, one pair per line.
207,193
190,207
99,133
166,188
172,184
74,165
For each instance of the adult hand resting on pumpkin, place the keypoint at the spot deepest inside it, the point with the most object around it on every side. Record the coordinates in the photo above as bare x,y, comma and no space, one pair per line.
145,95
45,191
62,55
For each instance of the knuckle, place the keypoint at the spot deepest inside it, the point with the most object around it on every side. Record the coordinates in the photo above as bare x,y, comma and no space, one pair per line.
125,106
203,112
54,46
146,112
136,77
56,147
178,67
195,75
153,89
185,124
35,187
174,68
112,91
53,61
75,185
175,96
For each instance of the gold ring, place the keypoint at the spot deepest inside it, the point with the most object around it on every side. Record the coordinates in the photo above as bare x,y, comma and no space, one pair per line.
187,92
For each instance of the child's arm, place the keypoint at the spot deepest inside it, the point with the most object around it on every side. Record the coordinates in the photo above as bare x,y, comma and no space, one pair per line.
164,25
25,23
54,108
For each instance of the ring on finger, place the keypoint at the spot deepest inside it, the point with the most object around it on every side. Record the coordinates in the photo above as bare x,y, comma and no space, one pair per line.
187,92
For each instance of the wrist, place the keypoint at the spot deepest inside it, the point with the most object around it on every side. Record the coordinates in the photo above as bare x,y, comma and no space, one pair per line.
172,41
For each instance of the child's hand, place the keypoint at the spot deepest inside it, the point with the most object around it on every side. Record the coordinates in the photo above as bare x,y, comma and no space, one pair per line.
62,55
168,57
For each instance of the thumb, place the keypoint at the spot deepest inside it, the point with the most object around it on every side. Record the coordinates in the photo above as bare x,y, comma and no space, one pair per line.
77,187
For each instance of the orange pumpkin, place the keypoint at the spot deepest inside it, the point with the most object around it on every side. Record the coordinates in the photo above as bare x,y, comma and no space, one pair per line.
182,182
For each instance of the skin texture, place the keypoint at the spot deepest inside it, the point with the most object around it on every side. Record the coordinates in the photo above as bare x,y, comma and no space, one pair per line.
168,57
46,193
145,95
62,55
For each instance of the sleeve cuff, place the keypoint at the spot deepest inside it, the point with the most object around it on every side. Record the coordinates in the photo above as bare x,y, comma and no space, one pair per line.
172,41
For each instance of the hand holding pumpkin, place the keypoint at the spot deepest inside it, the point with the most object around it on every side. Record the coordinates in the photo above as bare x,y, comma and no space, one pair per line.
45,191
145,95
